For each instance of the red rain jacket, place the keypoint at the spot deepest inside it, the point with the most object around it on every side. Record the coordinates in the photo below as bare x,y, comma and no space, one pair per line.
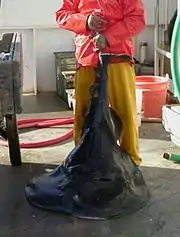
125,20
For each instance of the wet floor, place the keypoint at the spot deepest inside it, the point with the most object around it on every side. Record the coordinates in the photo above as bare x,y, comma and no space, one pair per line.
18,219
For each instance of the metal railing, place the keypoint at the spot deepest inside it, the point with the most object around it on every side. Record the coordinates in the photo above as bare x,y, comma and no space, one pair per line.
160,53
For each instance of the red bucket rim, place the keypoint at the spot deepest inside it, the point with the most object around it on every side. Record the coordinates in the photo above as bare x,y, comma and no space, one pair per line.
162,80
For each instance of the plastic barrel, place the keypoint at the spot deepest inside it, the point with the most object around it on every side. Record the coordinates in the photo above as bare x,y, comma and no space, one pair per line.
154,90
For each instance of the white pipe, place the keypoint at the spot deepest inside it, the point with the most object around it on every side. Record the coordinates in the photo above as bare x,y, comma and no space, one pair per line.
178,8
156,39
166,13
34,63
163,52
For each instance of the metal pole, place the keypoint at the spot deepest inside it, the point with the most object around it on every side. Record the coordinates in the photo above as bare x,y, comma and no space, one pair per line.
166,14
156,39
178,8
162,60
34,63
164,38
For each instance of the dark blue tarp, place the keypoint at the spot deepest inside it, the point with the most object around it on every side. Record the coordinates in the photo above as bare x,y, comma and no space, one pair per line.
98,179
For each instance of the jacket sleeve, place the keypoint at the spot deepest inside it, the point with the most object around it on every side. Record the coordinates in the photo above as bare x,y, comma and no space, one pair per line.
69,18
133,22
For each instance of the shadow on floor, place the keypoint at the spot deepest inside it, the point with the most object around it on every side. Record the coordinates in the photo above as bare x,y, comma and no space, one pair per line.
153,131
18,219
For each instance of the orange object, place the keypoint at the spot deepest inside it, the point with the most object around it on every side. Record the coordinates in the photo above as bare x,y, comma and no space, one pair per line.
125,19
154,90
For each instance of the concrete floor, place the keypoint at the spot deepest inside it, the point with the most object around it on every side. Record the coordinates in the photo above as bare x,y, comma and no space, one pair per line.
18,219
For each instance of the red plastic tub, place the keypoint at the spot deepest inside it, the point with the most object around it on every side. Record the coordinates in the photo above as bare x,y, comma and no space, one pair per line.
154,90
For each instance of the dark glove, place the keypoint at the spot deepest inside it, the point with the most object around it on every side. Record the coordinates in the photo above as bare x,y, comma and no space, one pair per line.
96,23
100,41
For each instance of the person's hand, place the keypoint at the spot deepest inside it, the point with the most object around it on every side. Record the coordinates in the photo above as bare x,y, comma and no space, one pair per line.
96,23
100,41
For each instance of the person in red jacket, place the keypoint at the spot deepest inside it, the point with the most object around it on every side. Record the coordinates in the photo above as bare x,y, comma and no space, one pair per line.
107,26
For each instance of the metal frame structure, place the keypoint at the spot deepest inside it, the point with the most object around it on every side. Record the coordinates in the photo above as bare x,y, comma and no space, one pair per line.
159,53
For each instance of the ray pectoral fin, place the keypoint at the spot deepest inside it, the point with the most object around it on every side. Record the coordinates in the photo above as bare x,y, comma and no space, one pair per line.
98,179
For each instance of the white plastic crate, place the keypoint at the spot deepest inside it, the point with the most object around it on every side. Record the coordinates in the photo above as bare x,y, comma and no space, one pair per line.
171,122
